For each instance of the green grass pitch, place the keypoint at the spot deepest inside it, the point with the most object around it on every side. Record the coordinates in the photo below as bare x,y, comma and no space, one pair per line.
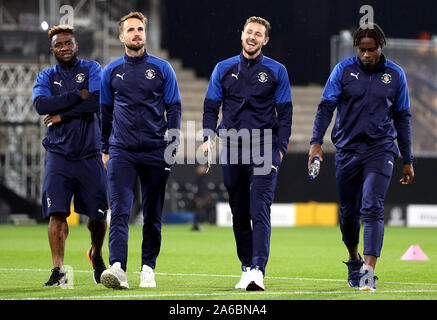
305,264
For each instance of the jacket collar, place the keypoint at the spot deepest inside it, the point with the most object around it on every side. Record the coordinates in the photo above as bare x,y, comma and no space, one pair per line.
380,67
70,66
136,59
251,61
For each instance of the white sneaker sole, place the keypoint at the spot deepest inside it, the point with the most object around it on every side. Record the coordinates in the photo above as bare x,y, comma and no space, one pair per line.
110,280
241,286
148,285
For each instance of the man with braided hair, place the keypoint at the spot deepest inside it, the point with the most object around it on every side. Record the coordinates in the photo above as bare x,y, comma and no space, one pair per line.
370,94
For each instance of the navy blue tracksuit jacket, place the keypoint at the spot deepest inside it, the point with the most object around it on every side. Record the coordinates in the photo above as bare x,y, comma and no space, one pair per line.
133,119
57,91
255,95
373,108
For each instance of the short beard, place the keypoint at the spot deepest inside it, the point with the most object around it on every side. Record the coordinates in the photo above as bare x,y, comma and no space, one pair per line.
251,53
135,47
68,63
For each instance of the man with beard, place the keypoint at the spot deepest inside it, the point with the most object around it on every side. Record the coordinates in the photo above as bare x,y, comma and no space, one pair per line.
140,101
255,93
68,94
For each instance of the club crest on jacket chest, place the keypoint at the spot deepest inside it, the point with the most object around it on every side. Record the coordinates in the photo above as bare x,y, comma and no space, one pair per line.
386,78
262,77
80,77
150,74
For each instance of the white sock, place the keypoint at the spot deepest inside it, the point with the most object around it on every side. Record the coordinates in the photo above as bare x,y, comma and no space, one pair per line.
368,267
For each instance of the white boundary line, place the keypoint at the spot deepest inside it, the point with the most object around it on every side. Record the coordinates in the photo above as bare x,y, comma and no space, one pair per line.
224,276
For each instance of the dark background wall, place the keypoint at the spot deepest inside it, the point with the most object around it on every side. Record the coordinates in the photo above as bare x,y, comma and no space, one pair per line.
204,32
294,185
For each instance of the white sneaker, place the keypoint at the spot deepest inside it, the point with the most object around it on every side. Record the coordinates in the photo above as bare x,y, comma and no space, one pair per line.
367,279
244,280
256,280
147,277
114,277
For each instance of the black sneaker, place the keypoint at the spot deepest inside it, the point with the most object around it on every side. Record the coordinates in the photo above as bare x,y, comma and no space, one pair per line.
57,278
353,275
97,263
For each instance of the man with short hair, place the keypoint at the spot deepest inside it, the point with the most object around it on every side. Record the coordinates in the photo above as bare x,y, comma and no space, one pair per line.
254,92
370,94
140,101
68,94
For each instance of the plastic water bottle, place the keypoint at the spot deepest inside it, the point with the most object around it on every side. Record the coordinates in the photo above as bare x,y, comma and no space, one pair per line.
314,169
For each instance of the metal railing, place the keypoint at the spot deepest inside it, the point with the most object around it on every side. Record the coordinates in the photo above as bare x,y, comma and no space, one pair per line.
21,131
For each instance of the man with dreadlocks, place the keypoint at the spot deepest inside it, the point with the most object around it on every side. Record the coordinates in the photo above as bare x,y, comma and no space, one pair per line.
370,94
67,94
